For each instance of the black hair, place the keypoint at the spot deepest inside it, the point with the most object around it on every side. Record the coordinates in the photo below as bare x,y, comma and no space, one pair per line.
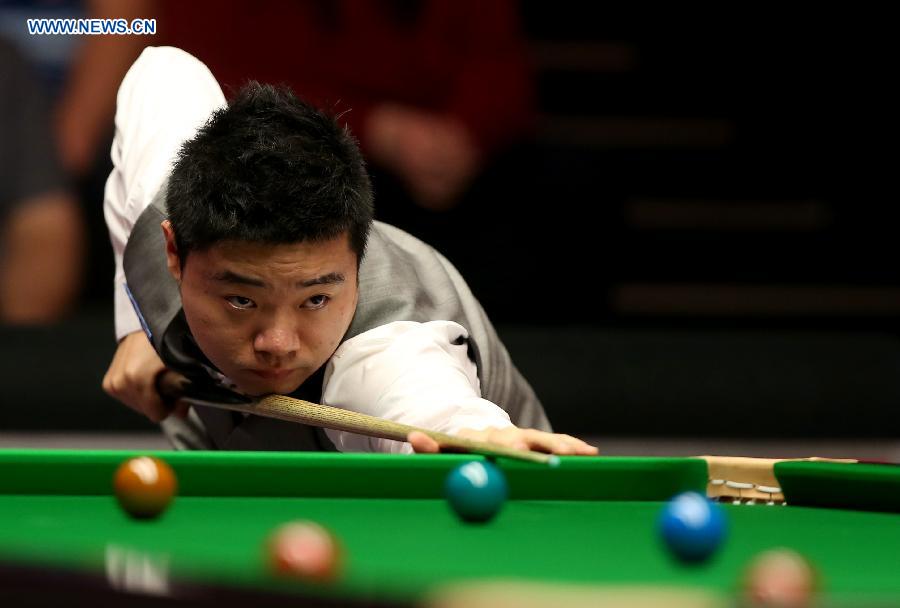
269,168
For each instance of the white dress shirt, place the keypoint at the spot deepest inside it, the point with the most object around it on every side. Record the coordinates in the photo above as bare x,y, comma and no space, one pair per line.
414,373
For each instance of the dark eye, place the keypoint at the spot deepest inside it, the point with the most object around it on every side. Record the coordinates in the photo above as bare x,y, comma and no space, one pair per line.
316,302
240,302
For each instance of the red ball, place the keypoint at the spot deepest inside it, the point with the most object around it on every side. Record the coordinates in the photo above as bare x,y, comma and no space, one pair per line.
305,550
144,486
780,577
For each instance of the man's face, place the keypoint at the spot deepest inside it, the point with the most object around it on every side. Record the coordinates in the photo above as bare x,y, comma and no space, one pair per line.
267,316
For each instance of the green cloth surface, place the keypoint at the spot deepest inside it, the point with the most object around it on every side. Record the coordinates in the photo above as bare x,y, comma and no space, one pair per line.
874,487
592,521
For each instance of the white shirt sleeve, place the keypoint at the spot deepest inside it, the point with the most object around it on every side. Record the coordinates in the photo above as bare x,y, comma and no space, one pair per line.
164,98
414,373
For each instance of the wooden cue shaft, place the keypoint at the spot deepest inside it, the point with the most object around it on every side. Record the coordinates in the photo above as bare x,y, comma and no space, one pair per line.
314,414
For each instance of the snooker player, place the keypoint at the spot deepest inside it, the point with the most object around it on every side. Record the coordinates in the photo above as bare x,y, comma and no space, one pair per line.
247,259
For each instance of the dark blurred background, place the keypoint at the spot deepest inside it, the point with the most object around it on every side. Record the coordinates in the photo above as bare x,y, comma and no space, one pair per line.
681,224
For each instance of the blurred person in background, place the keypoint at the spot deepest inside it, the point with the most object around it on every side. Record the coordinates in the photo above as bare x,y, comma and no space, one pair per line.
436,91
79,73
69,100
432,88
41,227
87,103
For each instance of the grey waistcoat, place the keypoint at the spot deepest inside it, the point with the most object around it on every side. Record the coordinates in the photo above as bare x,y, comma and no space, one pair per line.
400,279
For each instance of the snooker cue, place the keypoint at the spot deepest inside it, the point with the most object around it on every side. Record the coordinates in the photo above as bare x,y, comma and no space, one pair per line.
171,387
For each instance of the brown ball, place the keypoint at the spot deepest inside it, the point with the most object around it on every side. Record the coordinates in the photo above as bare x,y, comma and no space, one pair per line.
304,550
780,577
144,486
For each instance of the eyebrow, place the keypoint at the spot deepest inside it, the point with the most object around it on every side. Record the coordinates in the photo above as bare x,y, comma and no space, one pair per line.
227,276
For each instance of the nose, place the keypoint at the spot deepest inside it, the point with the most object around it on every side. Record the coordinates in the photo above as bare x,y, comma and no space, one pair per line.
276,344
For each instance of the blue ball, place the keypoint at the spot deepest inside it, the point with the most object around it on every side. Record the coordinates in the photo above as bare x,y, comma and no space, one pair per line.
692,526
476,490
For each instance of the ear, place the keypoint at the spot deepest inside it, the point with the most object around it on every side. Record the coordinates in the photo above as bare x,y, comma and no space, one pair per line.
173,261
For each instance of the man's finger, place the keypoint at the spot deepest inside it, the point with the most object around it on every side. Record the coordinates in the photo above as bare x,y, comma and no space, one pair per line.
546,442
580,447
422,443
586,449
153,406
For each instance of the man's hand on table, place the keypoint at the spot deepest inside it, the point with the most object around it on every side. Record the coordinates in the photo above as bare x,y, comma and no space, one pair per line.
131,378
512,437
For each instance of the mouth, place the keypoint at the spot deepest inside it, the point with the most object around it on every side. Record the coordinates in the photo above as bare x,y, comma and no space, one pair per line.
273,374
